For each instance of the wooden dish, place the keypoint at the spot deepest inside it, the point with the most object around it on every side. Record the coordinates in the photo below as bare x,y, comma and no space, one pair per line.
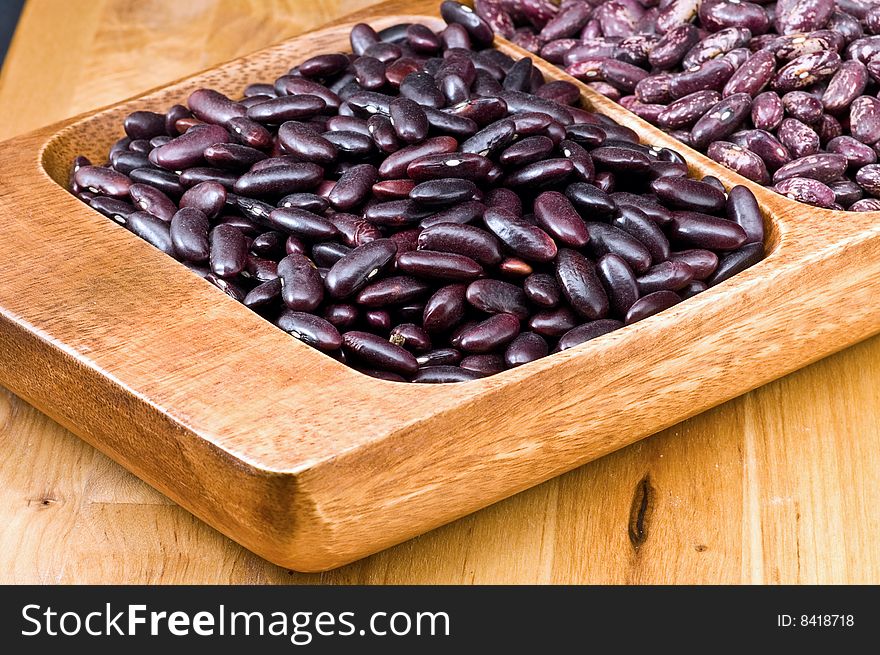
312,464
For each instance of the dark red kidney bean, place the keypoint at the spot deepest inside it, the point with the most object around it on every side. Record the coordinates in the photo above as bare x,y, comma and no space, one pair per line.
302,223
258,89
228,287
351,273
409,120
685,111
382,132
380,353
174,114
209,197
369,73
353,187
440,374
467,240
636,223
606,238
864,119
214,107
279,180
622,160
857,154
341,315
268,244
362,36
520,102
704,231
353,230
421,87
445,309
722,120
294,245
327,65
106,181
590,198
526,151
806,70
439,265
439,357
577,278
264,294
519,76
254,210
491,139
490,334
247,226
384,52
587,332
308,201
392,291
692,289
742,208
455,90
498,297
737,158
126,161
422,39
736,262
327,253
448,123
287,108
665,276
477,29
556,215
197,174
540,173
580,159
393,189
250,133
294,86
151,200
260,269
541,289
590,136
823,166
188,149
684,193
554,322
504,199
651,304
302,142
456,164
702,262
310,329
396,164
649,206
112,208
166,181
465,212
524,239
560,91
847,84
443,192
144,124
753,76
302,286
189,234
410,336
811,192
228,251
526,347
151,229
618,281
347,124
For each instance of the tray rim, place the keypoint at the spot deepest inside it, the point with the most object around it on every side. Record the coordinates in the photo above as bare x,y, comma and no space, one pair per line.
295,479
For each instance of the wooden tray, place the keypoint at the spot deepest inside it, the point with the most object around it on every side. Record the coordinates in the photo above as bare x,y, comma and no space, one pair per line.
311,464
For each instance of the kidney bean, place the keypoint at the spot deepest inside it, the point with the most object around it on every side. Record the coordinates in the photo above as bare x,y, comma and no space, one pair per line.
542,290
736,262
279,180
490,334
188,149
704,231
477,29
153,201
636,223
577,278
722,120
392,291
608,238
800,139
313,330
395,213
466,240
101,180
825,167
684,193
395,165
445,309
263,295
439,265
864,119
353,187
443,192
618,281
213,107
377,352
228,255
526,240
209,197
526,347
802,106
665,276
651,304
498,297
587,332
465,212
443,374
701,262
811,192
411,337
540,173
556,215
286,108
806,70
865,205
846,192
353,271
793,16
857,154
302,288
393,189
742,208
188,231
421,87
590,198
439,357
765,145
249,132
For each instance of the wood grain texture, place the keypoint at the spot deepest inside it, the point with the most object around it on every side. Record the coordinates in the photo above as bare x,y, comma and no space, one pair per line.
747,492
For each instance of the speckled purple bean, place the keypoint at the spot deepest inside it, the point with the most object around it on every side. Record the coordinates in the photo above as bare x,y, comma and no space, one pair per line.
767,111
823,166
800,139
722,120
864,119
802,189
685,111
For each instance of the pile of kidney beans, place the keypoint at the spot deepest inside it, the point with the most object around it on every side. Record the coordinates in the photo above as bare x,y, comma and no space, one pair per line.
784,93
425,209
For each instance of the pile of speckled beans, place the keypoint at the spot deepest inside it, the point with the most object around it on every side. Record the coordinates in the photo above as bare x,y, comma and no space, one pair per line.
783,93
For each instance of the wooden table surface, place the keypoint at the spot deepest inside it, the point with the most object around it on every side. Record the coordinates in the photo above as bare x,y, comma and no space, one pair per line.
781,485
